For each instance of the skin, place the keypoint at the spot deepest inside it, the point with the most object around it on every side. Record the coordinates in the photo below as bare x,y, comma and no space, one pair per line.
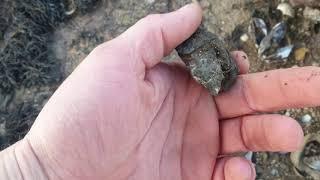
124,115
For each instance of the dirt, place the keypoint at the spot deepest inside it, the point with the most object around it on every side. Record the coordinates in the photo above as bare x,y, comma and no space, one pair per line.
70,41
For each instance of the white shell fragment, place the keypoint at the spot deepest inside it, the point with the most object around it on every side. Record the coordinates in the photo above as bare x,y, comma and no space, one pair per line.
286,9
72,8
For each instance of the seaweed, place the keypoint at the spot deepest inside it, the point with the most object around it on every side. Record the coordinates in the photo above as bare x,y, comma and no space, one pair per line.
15,124
25,61
24,58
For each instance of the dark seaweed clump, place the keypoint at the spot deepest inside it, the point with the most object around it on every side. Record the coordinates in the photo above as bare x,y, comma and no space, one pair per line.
15,124
25,27
85,5
24,56
25,30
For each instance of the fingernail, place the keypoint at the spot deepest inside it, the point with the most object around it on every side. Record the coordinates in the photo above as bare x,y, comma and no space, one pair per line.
240,168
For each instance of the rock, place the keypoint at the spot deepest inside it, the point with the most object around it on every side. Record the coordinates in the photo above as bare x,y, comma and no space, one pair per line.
306,118
209,61
286,9
300,53
312,14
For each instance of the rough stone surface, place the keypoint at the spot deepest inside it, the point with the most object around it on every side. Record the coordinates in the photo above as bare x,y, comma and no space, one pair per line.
209,61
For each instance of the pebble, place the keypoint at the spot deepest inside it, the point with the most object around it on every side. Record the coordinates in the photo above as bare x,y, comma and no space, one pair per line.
2,129
306,118
244,38
249,155
287,113
274,172
286,9
300,53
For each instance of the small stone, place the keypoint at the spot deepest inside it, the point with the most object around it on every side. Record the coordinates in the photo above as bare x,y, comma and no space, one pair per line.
286,9
300,53
2,129
312,14
287,113
274,172
244,38
249,155
306,118
150,1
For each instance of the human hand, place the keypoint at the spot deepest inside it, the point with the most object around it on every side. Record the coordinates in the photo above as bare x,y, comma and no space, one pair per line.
124,115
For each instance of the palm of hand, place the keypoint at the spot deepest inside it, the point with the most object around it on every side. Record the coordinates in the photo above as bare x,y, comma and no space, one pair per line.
121,115
159,127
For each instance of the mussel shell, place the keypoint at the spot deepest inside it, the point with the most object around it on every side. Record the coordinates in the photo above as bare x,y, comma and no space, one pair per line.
259,29
276,35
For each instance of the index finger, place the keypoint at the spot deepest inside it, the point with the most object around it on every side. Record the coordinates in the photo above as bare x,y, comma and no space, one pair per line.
271,91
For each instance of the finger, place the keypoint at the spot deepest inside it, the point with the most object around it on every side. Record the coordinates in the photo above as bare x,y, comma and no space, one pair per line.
235,168
260,133
271,91
242,61
155,36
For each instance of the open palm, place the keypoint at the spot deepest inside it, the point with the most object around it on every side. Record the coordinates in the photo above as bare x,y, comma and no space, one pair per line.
124,115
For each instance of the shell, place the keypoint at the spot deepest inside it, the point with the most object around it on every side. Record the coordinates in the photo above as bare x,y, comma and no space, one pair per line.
286,9
259,29
281,53
306,162
313,162
72,8
209,61
276,35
